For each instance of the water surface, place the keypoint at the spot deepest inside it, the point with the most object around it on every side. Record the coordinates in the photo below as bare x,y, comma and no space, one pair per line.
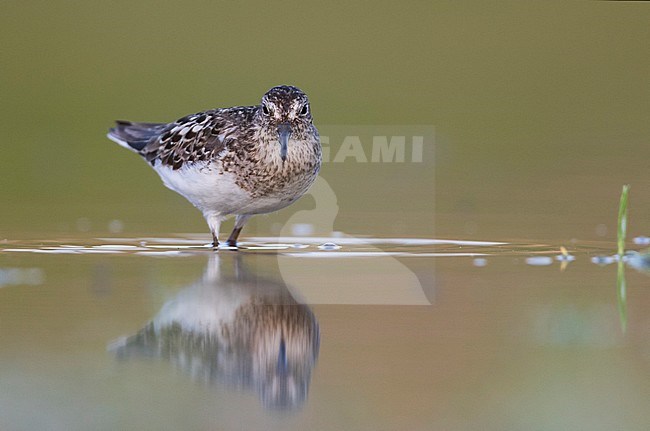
109,333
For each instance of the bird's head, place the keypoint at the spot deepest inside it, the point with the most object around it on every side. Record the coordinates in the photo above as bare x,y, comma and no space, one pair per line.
285,111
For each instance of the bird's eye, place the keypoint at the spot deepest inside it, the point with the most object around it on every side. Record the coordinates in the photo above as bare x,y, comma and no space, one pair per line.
304,110
266,110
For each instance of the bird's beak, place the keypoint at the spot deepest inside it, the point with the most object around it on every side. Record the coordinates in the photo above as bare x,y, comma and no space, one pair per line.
284,131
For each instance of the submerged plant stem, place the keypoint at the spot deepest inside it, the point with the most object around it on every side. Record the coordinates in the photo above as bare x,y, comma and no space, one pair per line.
621,295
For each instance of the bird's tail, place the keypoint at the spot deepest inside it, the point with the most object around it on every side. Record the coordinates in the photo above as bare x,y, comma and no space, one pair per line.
134,136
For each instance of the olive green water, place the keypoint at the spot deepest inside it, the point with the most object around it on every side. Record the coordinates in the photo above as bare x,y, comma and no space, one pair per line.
539,115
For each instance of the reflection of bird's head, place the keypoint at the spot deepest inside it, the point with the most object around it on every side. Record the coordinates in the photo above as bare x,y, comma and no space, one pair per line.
284,340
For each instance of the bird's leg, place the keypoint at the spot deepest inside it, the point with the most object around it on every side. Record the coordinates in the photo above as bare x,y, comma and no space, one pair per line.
232,239
214,221
240,221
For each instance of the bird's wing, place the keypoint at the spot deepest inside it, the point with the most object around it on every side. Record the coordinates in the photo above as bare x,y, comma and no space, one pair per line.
194,138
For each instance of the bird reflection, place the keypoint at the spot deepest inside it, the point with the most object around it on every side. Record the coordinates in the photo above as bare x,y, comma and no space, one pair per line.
236,329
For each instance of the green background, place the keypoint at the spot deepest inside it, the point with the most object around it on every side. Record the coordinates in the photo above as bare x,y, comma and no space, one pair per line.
540,108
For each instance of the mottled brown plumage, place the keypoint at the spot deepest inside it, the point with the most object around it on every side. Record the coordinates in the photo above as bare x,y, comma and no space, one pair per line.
233,161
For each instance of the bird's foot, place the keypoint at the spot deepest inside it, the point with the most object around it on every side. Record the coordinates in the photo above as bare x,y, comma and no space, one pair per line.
228,245
232,240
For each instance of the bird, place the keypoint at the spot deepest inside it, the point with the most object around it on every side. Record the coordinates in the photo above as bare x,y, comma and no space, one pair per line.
238,161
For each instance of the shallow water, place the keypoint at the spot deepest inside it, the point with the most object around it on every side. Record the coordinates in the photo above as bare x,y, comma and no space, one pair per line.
110,333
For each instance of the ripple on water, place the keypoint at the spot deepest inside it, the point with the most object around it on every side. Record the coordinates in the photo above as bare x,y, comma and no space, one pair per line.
340,246
329,246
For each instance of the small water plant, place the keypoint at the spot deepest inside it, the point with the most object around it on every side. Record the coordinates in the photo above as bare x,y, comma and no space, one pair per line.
621,289
622,221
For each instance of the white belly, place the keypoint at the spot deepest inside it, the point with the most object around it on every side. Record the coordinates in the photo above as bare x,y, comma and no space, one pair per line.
212,192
